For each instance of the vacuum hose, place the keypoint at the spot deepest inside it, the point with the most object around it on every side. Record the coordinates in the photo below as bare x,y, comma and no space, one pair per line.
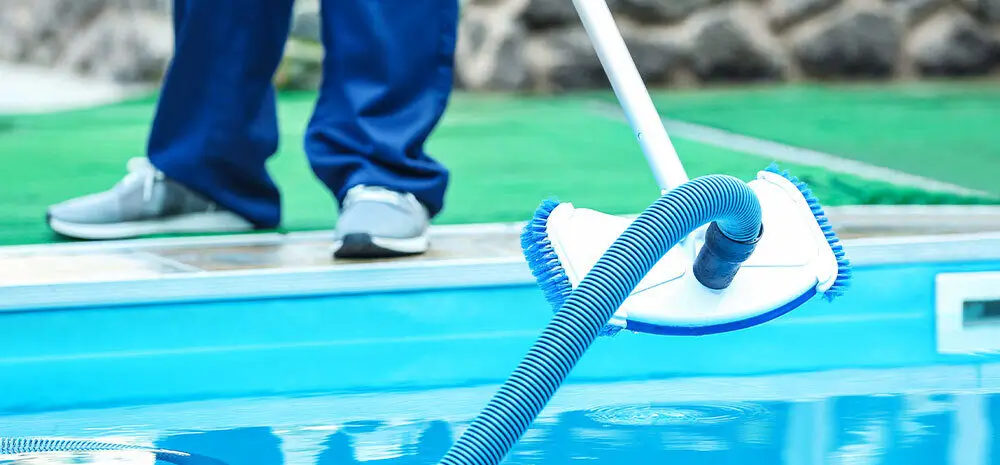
726,200
12,446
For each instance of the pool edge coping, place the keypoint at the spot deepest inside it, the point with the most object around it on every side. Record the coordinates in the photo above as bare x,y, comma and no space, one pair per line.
416,276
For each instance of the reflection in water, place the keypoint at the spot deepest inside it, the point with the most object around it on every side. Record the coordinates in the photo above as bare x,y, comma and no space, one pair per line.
887,430
432,444
434,441
862,426
923,430
238,446
993,415
337,450
666,434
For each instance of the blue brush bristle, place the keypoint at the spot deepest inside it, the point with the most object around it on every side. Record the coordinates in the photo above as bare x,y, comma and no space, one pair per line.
544,263
542,259
843,264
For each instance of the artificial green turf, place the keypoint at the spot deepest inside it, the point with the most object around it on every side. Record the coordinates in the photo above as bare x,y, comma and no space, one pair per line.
945,131
505,154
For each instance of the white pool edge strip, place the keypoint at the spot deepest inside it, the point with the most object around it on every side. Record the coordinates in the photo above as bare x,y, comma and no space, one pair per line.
417,275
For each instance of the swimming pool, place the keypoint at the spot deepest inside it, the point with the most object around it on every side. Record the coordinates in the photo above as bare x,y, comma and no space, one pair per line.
255,370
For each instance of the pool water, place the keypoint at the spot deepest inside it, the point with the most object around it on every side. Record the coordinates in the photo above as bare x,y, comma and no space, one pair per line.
789,419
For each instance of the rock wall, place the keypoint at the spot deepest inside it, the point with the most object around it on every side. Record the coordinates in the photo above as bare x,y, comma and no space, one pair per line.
539,45
127,41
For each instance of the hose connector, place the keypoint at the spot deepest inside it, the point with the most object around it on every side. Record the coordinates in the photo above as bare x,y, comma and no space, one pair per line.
721,257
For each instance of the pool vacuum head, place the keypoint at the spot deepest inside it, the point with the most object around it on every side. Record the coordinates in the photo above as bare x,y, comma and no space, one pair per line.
797,257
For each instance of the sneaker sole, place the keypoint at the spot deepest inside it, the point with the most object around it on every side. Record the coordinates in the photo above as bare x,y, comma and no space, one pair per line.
216,222
361,245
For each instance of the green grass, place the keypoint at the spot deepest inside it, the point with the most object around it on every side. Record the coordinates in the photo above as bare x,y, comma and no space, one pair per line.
505,154
944,131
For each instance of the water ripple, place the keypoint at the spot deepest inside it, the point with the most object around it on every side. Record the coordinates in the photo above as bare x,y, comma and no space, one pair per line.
680,414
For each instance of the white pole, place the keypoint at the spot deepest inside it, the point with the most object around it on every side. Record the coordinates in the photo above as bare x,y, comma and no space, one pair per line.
632,93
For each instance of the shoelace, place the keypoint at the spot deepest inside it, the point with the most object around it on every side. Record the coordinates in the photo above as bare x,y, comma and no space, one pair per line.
140,170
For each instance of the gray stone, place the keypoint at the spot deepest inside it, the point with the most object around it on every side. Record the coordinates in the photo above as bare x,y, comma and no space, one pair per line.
509,70
63,15
860,45
55,23
122,47
984,10
655,58
955,46
302,5
570,62
301,67
112,39
541,14
723,51
785,13
661,11
17,24
307,25
914,11
576,65
474,30
300,75
161,6
490,53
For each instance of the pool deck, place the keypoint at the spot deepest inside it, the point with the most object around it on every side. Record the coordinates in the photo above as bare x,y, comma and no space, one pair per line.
464,255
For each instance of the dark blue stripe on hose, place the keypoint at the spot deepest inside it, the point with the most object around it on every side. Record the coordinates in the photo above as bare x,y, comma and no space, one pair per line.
723,199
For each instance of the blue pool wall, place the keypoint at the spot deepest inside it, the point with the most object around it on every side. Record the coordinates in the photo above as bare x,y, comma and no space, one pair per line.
60,358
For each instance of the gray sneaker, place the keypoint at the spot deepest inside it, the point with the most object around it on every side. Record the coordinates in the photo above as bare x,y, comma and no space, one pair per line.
145,202
377,223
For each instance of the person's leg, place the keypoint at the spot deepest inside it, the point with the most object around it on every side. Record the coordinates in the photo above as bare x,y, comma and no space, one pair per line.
387,77
214,128
216,123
